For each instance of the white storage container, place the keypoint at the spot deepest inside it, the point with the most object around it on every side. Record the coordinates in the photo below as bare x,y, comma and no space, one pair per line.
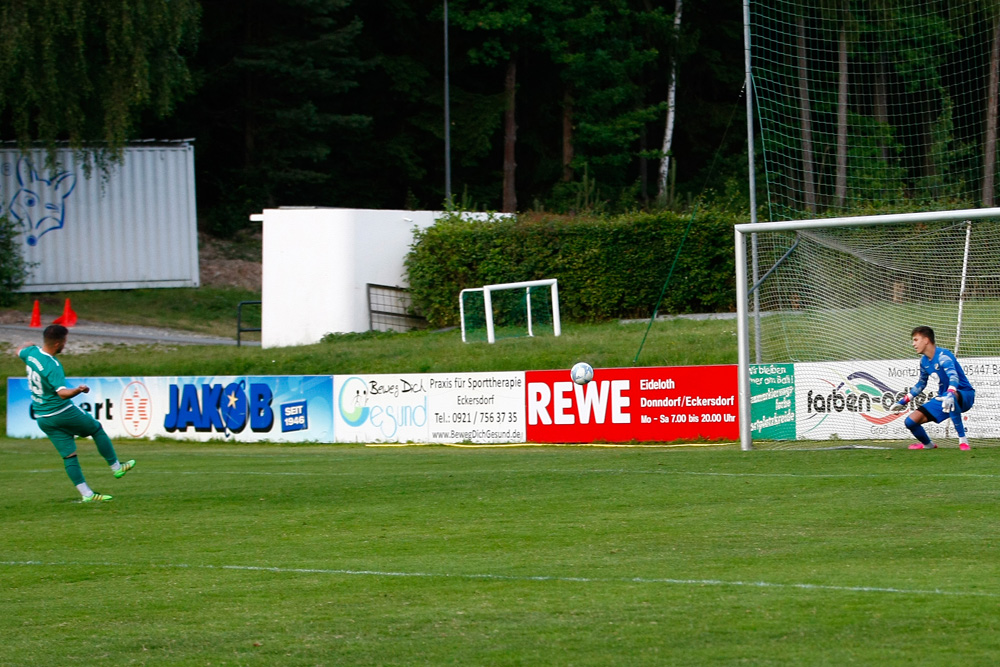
134,226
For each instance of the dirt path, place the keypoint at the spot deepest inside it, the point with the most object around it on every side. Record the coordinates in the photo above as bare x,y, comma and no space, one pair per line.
86,336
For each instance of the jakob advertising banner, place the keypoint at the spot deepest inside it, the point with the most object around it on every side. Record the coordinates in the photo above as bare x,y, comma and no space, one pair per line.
643,404
853,400
240,408
432,408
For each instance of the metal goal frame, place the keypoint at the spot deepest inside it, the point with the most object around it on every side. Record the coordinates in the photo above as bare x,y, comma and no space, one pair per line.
744,289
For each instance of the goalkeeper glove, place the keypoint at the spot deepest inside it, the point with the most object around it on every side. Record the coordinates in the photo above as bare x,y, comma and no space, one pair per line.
947,401
900,405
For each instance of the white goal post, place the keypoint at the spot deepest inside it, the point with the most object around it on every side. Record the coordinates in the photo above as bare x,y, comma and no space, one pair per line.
918,225
487,291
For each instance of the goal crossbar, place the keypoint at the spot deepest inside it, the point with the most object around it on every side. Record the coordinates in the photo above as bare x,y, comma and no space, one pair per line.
743,230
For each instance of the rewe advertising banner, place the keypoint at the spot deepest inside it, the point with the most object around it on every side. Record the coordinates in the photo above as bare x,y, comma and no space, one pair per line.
240,408
657,404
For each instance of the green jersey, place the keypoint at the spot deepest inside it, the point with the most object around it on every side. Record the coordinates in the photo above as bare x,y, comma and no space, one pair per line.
45,378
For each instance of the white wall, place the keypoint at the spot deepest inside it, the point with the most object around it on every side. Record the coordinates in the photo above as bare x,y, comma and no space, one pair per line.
317,263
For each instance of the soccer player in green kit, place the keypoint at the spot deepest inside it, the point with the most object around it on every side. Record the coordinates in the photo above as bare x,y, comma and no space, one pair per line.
56,414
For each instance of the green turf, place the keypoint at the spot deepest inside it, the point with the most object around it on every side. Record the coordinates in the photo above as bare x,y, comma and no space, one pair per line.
267,555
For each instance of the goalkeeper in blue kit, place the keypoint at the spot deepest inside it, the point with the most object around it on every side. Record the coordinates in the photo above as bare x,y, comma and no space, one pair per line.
955,394
58,417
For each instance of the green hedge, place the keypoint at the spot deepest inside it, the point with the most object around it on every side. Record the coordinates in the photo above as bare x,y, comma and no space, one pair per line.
607,267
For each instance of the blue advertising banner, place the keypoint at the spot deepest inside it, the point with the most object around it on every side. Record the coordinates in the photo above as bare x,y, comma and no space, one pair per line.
274,408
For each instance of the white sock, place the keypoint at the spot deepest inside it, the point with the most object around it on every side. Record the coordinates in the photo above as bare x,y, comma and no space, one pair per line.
116,466
964,440
85,490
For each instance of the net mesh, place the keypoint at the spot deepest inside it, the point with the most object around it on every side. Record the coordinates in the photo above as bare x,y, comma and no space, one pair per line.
853,294
512,310
875,104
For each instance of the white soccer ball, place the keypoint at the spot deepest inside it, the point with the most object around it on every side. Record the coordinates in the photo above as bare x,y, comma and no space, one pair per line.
582,372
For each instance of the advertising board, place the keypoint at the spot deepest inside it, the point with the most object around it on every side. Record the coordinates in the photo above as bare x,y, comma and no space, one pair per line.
772,401
275,408
431,408
853,400
656,404
805,401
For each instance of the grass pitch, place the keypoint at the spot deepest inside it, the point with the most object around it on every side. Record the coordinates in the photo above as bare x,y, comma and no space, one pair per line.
304,555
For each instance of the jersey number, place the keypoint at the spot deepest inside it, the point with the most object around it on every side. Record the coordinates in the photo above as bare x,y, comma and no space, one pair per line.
34,382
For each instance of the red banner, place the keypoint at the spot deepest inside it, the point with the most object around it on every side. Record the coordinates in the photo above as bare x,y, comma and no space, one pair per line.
659,404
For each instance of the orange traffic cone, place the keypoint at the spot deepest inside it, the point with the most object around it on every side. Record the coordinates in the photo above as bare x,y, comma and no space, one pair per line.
68,318
36,316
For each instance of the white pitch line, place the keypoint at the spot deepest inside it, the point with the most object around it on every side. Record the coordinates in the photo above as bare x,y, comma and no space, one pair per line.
818,475
266,473
522,578
536,471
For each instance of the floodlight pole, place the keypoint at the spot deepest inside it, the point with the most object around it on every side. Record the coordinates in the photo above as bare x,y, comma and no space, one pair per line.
447,116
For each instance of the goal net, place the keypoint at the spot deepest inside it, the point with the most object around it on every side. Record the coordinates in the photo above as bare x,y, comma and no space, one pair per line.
868,106
508,310
828,350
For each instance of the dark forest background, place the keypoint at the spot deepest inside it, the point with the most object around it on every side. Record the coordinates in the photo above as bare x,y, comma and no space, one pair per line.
341,103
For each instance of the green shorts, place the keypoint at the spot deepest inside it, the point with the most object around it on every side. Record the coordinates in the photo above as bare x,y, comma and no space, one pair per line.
63,428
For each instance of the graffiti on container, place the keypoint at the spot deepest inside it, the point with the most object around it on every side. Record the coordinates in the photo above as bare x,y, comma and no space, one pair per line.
38,205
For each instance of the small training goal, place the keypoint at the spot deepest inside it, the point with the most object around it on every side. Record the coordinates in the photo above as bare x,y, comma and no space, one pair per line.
506,310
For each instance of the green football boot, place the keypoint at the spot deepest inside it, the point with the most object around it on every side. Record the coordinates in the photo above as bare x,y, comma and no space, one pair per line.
128,465
96,497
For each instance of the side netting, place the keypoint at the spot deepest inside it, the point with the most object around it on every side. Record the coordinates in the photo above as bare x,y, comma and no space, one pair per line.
837,305
866,106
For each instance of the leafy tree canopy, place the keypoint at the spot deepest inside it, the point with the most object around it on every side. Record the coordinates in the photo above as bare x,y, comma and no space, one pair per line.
83,72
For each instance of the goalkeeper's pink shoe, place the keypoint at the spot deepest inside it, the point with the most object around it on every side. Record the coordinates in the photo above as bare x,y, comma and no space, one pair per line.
920,445
964,446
